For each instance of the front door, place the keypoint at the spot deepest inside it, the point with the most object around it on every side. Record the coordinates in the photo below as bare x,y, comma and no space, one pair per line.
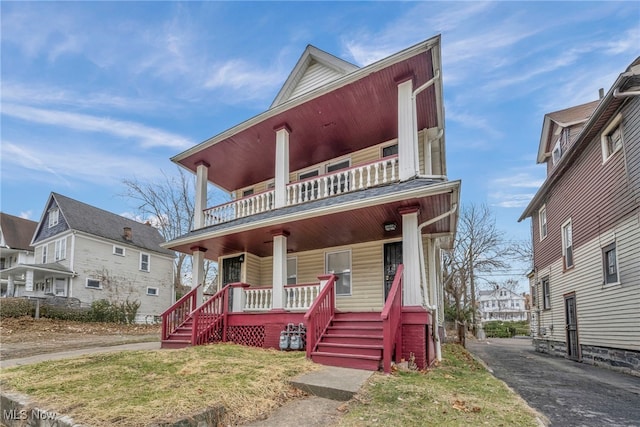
231,270
573,348
392,259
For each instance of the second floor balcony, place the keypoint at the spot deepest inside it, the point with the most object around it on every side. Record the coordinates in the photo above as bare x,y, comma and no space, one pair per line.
355,178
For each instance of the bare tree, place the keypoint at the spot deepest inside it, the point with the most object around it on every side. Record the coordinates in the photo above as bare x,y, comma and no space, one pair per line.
479,248
168,205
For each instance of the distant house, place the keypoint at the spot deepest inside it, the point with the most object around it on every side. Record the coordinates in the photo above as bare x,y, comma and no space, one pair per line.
87,253
15,249
501,304
586,230
340,209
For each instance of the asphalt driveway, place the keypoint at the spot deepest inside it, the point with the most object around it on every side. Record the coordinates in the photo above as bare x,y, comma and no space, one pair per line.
566,392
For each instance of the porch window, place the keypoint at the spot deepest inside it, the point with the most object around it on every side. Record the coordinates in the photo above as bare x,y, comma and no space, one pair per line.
61,249
340,182
292,271
144,262
567,244
61,287
247,193
339,263
542,218
610,264
390,150
311,189
546,294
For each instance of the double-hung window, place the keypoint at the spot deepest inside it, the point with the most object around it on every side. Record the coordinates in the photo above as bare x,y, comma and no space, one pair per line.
610,264
292,271
54,217
542,219
44,254
339,263
612,138
60,249
546,294
567,244
144,261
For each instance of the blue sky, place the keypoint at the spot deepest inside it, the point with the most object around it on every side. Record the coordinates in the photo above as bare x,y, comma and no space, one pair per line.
96,92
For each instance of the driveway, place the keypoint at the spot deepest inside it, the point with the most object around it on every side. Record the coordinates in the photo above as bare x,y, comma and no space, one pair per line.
566,392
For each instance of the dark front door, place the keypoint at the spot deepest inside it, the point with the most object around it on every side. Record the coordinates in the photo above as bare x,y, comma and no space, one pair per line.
231,270
392,259
573,348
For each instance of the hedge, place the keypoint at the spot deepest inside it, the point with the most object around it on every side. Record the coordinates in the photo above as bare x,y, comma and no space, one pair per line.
499,329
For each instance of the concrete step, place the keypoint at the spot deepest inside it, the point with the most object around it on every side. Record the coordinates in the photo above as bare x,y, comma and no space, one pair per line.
331,382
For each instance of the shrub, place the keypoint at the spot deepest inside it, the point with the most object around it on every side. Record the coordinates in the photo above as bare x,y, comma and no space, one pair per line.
65,313
114,312
499,329
16,307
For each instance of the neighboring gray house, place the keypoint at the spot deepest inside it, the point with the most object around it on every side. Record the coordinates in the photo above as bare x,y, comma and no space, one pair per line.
15,249
501,304
90,254
586,230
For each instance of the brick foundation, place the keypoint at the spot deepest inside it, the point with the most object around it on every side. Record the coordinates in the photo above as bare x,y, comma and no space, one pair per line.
417,336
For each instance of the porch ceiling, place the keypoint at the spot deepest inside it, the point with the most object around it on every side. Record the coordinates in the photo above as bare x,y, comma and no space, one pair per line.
328,230
349,118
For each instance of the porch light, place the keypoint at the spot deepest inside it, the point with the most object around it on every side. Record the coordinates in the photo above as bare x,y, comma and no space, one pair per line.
390,226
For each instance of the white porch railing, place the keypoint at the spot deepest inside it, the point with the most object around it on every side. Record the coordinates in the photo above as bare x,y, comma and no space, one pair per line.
246,206
356,178
297,297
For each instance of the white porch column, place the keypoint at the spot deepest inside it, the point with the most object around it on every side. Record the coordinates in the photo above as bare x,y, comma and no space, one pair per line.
279,268
407,131
197,273
282,165
202,171
11,287
410,256
430,288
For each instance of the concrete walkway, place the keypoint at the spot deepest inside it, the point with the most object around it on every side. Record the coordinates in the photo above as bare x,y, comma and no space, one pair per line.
77,353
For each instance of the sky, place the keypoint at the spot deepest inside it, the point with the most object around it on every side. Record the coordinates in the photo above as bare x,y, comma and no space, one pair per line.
93,93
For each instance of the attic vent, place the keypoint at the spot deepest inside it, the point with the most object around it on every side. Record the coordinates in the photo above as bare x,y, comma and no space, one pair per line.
127,233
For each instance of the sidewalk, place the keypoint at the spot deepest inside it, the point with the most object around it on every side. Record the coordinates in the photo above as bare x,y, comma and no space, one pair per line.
77,353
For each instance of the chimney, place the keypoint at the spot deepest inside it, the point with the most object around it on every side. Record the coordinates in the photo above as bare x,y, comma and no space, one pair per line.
601,93
127,233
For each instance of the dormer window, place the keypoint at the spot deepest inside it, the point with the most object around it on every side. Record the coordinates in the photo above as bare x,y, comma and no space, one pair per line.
556,154
54,217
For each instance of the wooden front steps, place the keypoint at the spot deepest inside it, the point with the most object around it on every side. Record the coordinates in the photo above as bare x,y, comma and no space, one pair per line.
181,338
353,340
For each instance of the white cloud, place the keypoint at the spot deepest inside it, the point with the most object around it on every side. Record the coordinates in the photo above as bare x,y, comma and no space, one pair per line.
506,200
26,214
146,136
516,189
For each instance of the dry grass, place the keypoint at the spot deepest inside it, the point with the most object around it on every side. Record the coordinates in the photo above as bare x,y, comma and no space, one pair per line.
459,392
137,388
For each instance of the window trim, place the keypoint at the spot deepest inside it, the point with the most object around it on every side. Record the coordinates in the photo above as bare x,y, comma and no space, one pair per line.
615,123
565,247
543,212
148,269
546,293
44,253
326,269
556,147
337,163
606,249
124,250
384,147
86,283
157,291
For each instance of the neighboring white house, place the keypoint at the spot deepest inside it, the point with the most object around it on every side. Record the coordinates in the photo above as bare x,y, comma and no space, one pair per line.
501,304
91,254
15,249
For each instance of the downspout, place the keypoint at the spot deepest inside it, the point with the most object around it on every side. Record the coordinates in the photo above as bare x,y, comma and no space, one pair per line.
423,272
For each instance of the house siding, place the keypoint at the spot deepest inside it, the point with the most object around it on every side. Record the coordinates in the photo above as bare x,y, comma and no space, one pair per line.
631,138
315,76
121,276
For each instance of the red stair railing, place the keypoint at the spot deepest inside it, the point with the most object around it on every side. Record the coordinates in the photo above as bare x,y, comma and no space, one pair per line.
320,314
391,316
179,312
210,319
